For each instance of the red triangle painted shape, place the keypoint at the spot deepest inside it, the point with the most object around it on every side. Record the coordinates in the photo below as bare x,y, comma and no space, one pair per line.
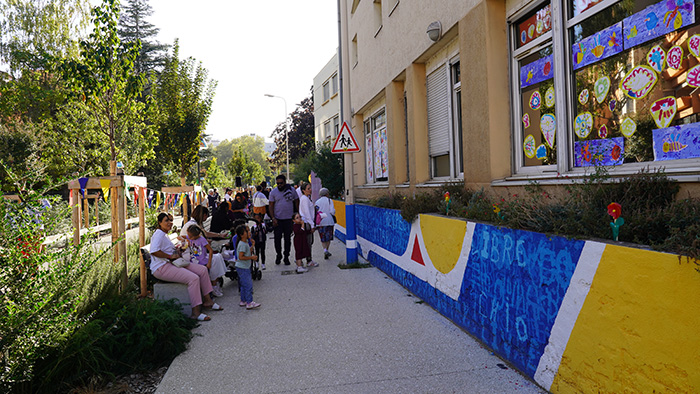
416,255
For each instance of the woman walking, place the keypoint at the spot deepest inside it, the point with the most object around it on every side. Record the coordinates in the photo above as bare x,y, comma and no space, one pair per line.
327,226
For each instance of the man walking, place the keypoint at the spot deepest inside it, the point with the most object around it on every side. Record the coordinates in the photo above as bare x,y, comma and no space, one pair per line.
284,202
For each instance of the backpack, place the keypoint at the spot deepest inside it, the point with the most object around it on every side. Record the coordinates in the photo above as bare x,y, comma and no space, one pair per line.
317,216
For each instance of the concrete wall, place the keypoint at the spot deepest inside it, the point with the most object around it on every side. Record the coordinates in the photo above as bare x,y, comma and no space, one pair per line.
325,110
575,316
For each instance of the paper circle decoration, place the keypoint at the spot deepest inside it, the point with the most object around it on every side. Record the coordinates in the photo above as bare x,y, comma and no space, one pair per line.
628,127
529,146
535,100
526,120
549,97
548,126
603,131
583,124
694,76
674,57
694,45
541,152
612,104
583,97
639,82
601,87
663,111
656,58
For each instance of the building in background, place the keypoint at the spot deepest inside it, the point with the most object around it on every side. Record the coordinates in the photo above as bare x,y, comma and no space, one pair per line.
327,102
488,92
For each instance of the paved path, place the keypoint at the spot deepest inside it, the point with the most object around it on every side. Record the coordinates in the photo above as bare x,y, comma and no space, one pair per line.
334,331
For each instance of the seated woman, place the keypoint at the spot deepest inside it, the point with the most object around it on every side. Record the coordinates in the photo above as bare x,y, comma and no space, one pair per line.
239,207
195,276
220,221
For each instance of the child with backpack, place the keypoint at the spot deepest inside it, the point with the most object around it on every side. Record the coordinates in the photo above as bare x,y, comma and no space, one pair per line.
259,236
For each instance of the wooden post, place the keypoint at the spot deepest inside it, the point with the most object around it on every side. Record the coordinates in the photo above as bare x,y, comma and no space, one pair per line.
76,216
86,211
121,225
185,206
142,238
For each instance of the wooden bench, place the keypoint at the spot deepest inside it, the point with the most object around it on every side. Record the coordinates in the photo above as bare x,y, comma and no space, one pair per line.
168,290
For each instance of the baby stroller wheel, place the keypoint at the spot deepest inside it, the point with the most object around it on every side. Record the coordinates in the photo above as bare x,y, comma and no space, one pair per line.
259,275
221,281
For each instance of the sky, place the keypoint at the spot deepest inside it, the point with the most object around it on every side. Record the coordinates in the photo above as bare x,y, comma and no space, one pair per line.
251,48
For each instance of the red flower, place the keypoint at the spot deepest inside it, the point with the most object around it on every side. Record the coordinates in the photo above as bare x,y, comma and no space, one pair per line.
614,210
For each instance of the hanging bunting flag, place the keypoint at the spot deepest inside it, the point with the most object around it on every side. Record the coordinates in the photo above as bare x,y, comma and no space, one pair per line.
83,182
136,196
70,198
157,199
181,199
150,199
104,183
126,191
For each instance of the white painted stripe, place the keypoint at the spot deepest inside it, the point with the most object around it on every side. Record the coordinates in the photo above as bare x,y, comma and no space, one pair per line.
569,311
351,243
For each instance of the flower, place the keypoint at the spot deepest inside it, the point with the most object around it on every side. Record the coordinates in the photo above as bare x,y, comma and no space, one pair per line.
496,208
614,210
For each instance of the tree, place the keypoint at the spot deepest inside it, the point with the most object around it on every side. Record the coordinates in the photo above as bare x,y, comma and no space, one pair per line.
301,134
134,27
328,167
103,76
21,167
32,31
184,95
216,177
241,165
254,146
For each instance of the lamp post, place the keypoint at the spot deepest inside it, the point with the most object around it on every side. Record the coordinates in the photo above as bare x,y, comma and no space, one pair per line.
286,128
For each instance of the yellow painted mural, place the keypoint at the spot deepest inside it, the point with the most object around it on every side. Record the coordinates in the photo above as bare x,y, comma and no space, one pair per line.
339,212
443,238
639,328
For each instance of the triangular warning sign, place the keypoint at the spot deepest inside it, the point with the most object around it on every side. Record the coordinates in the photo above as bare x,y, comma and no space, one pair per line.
345,142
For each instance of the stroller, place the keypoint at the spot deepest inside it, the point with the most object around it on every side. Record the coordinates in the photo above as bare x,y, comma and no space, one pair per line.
228,252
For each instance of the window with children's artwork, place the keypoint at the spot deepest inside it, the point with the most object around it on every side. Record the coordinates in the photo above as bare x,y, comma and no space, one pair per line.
376,149
633,72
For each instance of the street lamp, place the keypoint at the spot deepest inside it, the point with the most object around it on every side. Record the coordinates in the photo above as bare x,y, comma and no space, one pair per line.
286,128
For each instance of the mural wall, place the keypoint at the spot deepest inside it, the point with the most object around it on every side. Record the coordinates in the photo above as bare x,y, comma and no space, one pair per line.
575,316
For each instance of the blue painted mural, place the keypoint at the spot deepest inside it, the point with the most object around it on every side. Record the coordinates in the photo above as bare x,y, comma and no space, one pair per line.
371,224
677,142
513,287
656,20
597,47
606,152
537,71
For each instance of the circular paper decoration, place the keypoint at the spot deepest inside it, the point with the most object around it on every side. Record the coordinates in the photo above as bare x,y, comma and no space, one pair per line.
663,111
540,26
541,152
603,131
526,120
656,58
694,45
612,104
529,146
531,31
583,124
601,87
674,57
536,100
548,126
583,97
523,37
616,152
549,97
639,82
628,127
694,76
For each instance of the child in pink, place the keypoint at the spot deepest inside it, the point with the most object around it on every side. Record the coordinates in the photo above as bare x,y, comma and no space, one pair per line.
302,250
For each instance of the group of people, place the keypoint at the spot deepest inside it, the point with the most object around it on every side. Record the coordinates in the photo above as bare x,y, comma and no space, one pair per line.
193,259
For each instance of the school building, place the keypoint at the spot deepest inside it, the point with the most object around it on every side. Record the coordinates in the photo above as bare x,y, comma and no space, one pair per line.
502,92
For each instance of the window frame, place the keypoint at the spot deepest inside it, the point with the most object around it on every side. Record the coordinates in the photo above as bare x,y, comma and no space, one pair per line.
369,128
326,91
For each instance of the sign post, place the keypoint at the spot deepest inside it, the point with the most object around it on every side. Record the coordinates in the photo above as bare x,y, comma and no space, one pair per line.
347,144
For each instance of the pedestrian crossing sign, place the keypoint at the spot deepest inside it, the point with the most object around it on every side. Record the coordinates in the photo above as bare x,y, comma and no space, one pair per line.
345,142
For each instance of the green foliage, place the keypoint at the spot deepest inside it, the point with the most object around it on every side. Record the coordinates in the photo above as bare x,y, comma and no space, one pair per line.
301,135
133,27
328,167
126,335
21,168
216,177
184,95
242,165
38,285
253,146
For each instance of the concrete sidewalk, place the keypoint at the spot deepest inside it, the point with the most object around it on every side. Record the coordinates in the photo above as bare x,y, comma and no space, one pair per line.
334,331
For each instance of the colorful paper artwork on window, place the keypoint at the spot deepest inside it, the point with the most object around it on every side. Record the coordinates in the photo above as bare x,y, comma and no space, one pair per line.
535,100
526,120
656,20
583,124
535,26
368,157
580,6
639,82
549,97
606,152
548,125
583,97
628,127
381,156
601,87
694,45
537,71
541,152
656,58
663,111
597,47
694,76
674,57
612,104
677,142
529,146
603,131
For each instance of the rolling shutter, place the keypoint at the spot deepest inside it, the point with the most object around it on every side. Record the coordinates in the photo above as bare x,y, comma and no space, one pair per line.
438,112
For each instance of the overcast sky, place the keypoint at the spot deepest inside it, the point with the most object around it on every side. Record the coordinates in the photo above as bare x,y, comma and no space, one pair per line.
252,48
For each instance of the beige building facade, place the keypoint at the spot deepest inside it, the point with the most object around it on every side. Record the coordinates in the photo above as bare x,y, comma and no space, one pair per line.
327,102
507,92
